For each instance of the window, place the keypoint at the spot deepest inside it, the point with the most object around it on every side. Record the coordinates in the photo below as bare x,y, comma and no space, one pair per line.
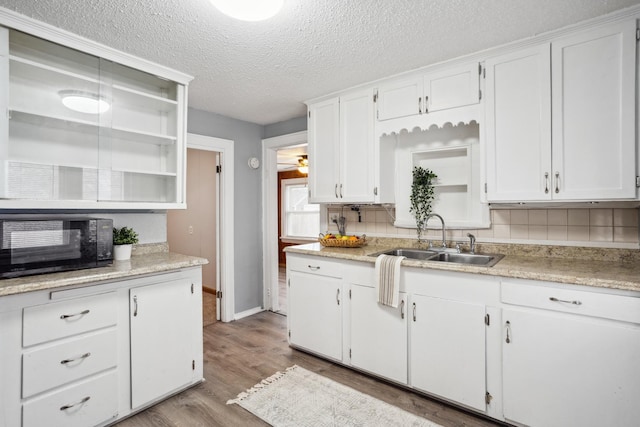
299,218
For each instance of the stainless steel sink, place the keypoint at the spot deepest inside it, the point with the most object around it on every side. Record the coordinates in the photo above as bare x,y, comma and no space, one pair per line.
422,254
485,260
473,259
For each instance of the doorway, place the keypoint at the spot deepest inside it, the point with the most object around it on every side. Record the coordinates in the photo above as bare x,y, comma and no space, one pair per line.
205,227
193,231
272,273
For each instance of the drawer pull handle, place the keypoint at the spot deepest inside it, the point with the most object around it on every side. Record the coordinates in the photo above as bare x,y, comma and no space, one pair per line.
574,302
67,316
84,356
80,402
313,267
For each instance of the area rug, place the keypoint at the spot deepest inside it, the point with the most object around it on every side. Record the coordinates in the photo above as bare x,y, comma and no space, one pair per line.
298,397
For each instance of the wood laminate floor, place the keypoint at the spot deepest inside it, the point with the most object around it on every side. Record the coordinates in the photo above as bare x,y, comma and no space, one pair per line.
239,354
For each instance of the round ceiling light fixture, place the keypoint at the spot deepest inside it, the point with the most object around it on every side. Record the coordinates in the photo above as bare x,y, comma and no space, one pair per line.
249,10
83,102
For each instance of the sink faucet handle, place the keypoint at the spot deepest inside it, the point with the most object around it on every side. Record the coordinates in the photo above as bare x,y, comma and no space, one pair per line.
458,247
472,243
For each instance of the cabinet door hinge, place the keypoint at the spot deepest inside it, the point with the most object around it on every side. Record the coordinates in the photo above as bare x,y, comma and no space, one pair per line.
349,293
192,288
193,365
487,319
487,398
309,114
637,181
218,168
485,187
219,294
349,353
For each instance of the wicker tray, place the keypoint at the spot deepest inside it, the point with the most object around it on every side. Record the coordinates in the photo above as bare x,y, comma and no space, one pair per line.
339,243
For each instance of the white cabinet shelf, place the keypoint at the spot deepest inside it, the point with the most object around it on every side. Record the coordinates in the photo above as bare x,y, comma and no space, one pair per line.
132,152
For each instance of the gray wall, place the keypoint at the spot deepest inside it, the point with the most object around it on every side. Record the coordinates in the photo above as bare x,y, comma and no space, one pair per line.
247,139
282,128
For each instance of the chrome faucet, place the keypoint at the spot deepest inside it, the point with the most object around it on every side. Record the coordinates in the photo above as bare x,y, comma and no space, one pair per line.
444,240
472,243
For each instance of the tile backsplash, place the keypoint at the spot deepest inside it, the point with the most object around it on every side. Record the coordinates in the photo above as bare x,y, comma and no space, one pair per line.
614,227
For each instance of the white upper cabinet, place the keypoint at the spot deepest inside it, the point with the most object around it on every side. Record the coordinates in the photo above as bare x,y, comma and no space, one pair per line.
84,131
583,84
441,90
341,149
323,151
594,92
518,125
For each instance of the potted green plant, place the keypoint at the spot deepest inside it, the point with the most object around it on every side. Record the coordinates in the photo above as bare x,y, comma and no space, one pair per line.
123,240
422,196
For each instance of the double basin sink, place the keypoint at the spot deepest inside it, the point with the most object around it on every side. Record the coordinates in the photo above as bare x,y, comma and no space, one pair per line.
484,260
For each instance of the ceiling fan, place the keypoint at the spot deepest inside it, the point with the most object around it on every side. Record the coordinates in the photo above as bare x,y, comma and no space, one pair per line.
300,162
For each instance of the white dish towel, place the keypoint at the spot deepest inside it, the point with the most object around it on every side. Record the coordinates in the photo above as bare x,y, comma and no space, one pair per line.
388,279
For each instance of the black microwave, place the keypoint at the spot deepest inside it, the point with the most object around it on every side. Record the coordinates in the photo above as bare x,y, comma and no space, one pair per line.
45,245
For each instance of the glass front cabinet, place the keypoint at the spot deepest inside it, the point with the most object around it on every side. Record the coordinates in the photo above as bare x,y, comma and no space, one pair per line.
84,131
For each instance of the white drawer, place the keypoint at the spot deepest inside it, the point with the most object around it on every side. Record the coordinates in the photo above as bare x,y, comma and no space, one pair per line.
315,265
84,404
616,307
60,364
52,321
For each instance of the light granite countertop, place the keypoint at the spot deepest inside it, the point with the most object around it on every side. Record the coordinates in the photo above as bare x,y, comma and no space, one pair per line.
145,260
604,268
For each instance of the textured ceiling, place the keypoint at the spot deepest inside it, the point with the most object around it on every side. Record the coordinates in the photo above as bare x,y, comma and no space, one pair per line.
262,72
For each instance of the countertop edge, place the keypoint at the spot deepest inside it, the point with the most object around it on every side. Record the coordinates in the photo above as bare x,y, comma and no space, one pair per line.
138,265
519,267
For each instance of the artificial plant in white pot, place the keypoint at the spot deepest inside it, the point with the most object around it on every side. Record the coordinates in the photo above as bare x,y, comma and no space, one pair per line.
123,240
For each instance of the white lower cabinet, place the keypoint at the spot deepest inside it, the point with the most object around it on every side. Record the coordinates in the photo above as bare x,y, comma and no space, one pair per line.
160,314
448,350
315,306
378,334
565,369
85,357
527,352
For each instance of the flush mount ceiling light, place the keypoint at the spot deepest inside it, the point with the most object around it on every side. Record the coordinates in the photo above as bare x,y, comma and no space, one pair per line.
249,10
83,102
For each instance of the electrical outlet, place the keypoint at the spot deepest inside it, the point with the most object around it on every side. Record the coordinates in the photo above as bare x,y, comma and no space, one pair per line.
334,218
191,229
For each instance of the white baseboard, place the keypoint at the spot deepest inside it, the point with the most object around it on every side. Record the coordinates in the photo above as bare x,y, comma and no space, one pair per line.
248,313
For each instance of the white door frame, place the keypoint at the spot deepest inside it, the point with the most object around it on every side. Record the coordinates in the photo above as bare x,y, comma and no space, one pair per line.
225,243
270,147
